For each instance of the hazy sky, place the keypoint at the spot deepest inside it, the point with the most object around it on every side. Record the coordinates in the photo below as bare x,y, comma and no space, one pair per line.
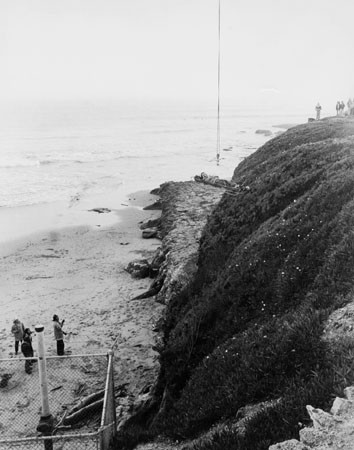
272,51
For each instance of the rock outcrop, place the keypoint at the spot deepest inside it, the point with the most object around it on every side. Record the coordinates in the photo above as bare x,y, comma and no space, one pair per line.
332,430
185,209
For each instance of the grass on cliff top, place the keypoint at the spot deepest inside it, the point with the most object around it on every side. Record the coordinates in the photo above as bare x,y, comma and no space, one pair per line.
274,262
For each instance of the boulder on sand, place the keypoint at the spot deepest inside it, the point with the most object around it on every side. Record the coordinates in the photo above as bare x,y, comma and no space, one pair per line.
139,268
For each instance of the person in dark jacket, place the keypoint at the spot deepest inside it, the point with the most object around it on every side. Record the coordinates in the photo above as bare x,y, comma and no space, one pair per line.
59,334
27,350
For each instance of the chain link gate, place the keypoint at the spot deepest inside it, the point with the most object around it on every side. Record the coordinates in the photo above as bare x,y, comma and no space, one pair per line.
79,387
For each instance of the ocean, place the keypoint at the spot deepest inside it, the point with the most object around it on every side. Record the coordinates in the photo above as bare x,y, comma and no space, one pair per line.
79,153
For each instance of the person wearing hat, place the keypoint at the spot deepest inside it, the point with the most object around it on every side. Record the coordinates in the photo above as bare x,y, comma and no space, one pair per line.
59,334
27,350
18,330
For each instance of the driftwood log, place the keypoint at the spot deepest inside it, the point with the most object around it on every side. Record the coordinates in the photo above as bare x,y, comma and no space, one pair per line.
87,400
89,405
84,412
84,408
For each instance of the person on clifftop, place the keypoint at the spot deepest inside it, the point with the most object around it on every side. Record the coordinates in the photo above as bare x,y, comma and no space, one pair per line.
59,334
318,111
338,107
342,107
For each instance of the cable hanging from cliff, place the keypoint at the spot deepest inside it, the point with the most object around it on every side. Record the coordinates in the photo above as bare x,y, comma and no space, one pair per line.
218,118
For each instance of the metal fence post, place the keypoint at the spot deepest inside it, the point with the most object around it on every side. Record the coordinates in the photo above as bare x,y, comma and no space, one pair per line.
46,421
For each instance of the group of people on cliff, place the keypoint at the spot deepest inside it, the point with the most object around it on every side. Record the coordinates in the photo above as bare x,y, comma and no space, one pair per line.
23,336
340,107
350,105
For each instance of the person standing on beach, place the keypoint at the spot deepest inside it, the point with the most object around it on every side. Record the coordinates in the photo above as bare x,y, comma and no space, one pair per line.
27,350
318,111
59,334
18,330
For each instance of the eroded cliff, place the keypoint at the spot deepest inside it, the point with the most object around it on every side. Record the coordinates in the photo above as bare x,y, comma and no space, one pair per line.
243,349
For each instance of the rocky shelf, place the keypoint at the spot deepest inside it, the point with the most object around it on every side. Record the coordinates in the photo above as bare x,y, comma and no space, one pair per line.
185,207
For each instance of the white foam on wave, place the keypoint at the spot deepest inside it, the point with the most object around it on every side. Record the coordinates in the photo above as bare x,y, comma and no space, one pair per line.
15,163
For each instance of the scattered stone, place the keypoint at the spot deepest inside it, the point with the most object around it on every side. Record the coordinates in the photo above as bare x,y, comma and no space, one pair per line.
100,210
349,393
154,290
155,191
152,223
320,418
264,132
293,444
158,326
329,431
310,436
230,186
139,268
5,380
149,233
157,262
213,180
341,406
155,206
37,277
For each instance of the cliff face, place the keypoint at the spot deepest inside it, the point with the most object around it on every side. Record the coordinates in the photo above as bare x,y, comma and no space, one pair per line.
185,208
243,350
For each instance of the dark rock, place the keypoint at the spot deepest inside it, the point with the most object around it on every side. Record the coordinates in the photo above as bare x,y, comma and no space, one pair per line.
158,325
5,379
100,210
157,262
157,205
264,132
154,290
149,233
152,223
139,410
155,191
139,268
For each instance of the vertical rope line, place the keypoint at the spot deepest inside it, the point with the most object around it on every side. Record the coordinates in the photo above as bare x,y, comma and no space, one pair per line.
218,119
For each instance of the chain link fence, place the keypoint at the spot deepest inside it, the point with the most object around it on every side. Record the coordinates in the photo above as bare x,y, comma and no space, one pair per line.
81,399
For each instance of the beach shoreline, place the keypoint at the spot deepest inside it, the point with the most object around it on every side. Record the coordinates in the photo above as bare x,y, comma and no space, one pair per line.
79,273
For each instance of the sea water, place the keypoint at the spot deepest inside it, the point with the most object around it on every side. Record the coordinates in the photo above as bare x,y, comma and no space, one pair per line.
81,153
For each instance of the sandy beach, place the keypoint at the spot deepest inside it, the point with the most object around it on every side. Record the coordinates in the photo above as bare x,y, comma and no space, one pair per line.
79,274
